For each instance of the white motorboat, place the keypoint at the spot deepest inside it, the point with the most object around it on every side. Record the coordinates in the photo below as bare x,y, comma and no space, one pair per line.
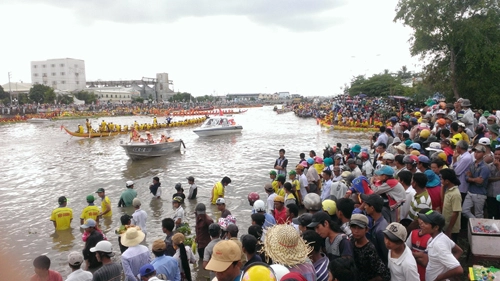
219,125
38,120
142,150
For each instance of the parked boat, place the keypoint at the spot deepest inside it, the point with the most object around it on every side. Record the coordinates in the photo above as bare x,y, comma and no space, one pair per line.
142,150
38,120
219,125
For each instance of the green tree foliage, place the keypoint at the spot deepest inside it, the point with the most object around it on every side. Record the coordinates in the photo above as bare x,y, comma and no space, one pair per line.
88,97
204,98
181,97
49,96
4,96
379,85
37,93
65,99
23,99
461,42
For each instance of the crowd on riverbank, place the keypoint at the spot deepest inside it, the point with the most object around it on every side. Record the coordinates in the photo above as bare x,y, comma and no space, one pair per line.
394,210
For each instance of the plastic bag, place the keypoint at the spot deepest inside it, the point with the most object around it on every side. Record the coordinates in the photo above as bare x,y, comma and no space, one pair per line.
193,247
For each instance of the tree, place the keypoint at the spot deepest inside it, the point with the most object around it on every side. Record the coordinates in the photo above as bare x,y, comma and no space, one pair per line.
88,97
37,93
4,96
461,42
384,84
49,96
65,99
181,97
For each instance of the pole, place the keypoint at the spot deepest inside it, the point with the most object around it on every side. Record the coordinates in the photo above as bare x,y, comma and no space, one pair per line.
10,91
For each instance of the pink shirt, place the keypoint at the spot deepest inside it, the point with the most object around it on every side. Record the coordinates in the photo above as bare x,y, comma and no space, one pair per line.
53,276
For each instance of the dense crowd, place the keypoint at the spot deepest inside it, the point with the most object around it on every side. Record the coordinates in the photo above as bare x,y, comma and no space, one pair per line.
389,211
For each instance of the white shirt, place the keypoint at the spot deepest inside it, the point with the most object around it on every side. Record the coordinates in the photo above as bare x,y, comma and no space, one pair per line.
356,172
270,203
79,275
179,213
338,189
404,210
139,218
303,183
403,268
367,168
325,190
440,257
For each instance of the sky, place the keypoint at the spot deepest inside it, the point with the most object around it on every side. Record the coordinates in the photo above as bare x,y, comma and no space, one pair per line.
210,47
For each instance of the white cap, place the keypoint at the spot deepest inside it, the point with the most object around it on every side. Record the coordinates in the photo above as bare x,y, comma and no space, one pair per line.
484,141
220,201
388,156
103,246
130,183
434,146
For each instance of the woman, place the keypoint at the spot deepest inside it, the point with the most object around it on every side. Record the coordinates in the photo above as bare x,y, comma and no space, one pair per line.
290,195
184,255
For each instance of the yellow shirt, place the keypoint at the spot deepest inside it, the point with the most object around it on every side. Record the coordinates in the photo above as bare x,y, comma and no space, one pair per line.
458,136
290,196
90,212
217,192
319,168
62,216
281,192
105,202
465,137
276,186
296,184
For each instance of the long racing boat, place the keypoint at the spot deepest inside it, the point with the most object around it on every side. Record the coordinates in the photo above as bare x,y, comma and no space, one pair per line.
93,134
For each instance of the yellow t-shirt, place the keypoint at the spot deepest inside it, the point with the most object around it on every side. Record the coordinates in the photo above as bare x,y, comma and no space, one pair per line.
276,186
465,137
296,184
217,192
458,136
105,202
319,168
290,196
90,212
281,192
62,216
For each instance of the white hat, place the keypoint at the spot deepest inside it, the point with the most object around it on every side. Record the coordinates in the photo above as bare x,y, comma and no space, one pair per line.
221,201
75,258
484,141
129,183
103,246
440,111
434,146
388,156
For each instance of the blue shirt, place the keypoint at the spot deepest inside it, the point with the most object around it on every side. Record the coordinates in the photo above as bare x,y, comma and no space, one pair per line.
132,260
270,221
168,266
483,171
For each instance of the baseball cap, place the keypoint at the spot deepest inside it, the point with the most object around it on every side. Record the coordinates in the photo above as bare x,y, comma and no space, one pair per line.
359,220
136,202
292,172
395,232
279,198
177,199
190,178
423,159
62,199
386,170
90,198
178,186
373,200
100,190
461,124
159,245
273,172
268,187
479,148
299,167
129,183
415,146
224,254
432,217
484,141
103,246
304,219
200,209
388,156
146,270
89,223
319,217
220,201
75,258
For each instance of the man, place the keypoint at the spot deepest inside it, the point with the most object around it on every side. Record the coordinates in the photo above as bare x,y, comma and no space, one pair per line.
421,200
345,207
75,261
325,191
405,180
128,195
178,216
302,222
148,273
462,160
336,244
452,203
136,255
109,270
139,216
62,216
384,183
94,236
162,264
304,184
477,177
336,174
279,212
167,226
249,245
42,271
270,198
218,189
317,257
355,171
90,212
382,138
106,211
443,253
221,206
368,263
468,117
232,234
203,222
402,265
214,231
225,261
367,168
155,188
313,178
281,163
373,204
292,212
492,204
192,188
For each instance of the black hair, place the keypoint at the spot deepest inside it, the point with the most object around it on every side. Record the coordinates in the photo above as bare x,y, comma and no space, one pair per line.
293,209
226,180
158,253
125,219
232,229
334,226
454,126
405,177
214,231
312,152
314,239
439,162
383,145
425,165
282,150
259,218
249,243
288,186
343,269
256,231
281,179
302,155
420,179
399,158
328,172
406,135
445,133
42,262
184,261
382,129
168,224
346,206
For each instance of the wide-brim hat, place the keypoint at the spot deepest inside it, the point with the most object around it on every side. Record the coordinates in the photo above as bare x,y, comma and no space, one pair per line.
284,245
466,102
132,237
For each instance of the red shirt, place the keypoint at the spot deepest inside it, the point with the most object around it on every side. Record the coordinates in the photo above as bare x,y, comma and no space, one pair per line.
280,216
53,276
419,244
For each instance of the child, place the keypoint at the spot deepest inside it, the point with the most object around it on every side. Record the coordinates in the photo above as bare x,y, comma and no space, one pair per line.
274,182
292,175
192,188
178,211
368,263
155,188
417,242
179,193
126,223
400,259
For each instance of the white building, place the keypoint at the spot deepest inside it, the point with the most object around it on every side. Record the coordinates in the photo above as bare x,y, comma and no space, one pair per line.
114,94
61,74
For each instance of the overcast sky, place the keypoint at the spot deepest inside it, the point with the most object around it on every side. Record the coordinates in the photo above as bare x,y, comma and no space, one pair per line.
210,46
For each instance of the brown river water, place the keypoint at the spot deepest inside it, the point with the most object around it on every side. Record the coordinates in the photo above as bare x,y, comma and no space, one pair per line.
40,163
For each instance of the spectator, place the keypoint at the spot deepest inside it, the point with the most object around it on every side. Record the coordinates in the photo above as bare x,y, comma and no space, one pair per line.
42,271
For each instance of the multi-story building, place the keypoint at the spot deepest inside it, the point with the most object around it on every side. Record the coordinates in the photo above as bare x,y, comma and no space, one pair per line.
61,74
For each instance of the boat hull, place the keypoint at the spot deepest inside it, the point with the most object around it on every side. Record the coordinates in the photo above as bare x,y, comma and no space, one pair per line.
207,132
93,135
143,150
38,120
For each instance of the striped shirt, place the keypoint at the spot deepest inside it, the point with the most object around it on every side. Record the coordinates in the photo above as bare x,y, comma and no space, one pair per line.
419,202
108,272
132,260
321,267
